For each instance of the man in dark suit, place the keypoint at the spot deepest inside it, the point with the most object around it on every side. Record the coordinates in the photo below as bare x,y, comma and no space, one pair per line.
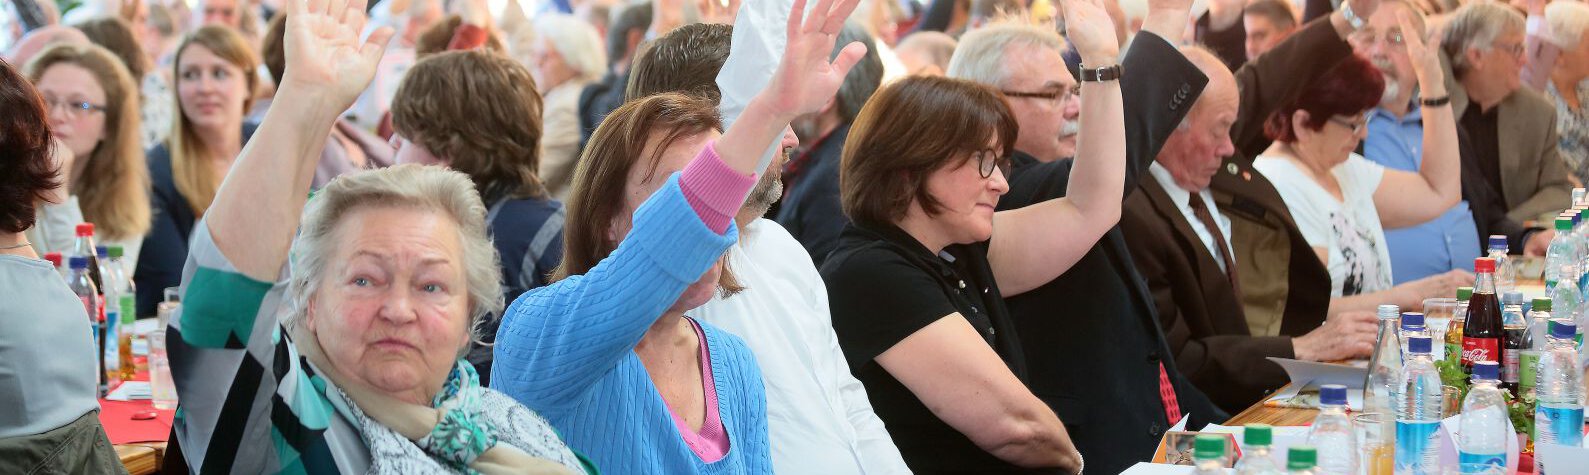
1091,340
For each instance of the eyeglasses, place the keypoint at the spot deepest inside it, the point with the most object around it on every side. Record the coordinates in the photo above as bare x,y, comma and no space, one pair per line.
1368,37
1056,94
1355,125
988,160
73,109
1516,49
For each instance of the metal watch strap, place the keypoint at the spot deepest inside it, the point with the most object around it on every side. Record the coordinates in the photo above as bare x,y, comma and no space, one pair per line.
1356,22
1102,73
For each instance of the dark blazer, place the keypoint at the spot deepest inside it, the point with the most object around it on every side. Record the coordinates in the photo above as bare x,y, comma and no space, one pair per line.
165,248
1202,316
811,209
1091,336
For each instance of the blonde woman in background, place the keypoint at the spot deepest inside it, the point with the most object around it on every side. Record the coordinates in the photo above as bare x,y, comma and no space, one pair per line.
93,110
564,54
215,80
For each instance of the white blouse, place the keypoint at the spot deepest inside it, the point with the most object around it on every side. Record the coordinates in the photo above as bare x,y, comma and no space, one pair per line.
1359,261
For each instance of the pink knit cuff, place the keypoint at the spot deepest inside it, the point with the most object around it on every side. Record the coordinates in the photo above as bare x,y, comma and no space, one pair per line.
714,190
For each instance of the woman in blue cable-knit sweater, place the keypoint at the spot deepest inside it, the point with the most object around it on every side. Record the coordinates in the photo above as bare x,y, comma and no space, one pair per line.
608,353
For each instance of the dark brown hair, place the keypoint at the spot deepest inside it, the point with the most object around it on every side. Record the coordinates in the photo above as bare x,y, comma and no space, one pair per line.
436,38
1352,87
596,198
685,60
891,151
273,47
1279,12
26,171
113,34
480,111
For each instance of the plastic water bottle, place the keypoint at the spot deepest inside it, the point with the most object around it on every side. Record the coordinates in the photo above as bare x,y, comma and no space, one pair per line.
1505,270
83,286
1258,456
1302,460
1537,338
1384,368
1332,432
1208,454
1514,339
1412,324
1558,414
1418,413
1482,434
112,299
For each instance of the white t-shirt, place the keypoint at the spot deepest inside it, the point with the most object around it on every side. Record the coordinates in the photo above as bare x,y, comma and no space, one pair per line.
1350,229
48,377
818,417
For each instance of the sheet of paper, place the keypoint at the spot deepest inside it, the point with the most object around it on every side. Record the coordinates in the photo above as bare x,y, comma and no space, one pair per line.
1561,458
1310,372
1144,468
1180,426
130,391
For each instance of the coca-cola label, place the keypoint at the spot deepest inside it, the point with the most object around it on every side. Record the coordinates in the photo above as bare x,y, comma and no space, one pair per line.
1480,349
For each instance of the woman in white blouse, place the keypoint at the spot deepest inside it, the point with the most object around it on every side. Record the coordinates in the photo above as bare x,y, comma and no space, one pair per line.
1341,202
564,54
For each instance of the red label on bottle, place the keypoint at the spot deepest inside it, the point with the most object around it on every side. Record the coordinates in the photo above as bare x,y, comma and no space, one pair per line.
1480,349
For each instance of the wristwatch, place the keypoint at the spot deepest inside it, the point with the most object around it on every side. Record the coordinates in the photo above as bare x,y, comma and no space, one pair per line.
1356,22
1102,73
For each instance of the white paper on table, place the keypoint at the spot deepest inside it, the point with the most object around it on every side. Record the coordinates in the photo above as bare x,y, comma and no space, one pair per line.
1144,468
131,391
1181,426
1316,373
1354,399
1561,458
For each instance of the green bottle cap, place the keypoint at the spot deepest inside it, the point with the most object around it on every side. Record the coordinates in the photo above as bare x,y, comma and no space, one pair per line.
1258,435
1464,293
1302,457
115,251
1542,304
1563,223
128,309
1208,446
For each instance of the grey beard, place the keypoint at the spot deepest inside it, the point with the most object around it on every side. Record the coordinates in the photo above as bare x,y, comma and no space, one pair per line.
1392,92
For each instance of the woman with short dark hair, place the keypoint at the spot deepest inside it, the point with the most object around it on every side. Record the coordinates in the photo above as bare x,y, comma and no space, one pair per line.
47,360
917,282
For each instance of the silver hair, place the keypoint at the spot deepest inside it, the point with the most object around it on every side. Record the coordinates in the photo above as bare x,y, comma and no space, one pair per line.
575,40
1568,21
429,188
1476,26
980,57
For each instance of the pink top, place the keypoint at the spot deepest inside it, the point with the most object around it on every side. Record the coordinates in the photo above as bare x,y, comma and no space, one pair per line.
714,190
711,443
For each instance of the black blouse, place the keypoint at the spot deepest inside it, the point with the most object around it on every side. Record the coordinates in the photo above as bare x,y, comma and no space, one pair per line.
883,286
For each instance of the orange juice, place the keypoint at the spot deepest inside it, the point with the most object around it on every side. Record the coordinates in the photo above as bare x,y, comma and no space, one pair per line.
1381,460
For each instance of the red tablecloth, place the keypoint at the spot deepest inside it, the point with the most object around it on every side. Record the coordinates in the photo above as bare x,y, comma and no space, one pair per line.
117,417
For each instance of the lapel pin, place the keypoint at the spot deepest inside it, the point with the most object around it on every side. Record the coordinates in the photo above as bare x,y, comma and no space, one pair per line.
1231,168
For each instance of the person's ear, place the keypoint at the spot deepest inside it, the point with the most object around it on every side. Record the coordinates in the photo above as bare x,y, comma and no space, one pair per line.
1299,124
1474,55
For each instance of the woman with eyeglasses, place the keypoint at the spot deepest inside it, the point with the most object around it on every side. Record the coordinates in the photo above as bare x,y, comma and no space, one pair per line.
1343,202
917,283
215,84
93,108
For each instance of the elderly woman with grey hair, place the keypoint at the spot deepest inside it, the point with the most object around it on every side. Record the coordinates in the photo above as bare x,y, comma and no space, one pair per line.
391,271
1568,22
564,55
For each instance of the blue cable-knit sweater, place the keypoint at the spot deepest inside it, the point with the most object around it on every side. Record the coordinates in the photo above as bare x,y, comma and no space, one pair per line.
567,351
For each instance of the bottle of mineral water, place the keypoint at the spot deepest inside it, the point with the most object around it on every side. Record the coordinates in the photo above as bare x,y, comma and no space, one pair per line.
1384,368
1505,272
1482,434
1302,460
1561,263
1418,413
1332,432
1208,454
1535,342
1258,456
1558,413
112,299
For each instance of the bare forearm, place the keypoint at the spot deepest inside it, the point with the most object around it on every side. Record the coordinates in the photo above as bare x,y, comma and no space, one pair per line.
746,142
257,209
1047,446
1168,24
1442,166
1095,184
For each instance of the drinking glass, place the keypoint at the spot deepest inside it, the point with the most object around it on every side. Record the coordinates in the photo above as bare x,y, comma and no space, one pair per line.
1375,433
1450,401
162,388
1438,313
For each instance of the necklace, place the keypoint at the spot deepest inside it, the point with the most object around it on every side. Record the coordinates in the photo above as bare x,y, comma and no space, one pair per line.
16,246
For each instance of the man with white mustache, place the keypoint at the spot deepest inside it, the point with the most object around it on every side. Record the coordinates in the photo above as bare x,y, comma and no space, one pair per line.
1395,140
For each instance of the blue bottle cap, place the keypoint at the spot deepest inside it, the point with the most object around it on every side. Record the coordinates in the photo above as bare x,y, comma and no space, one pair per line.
102,251
1486,370
1411,320
77,262
1332,394
1418,345
1559,328
1498,241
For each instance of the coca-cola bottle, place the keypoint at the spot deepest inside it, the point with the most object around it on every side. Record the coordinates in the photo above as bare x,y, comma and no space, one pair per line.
1483,332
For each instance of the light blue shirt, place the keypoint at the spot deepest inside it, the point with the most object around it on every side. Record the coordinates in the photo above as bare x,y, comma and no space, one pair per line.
1448,242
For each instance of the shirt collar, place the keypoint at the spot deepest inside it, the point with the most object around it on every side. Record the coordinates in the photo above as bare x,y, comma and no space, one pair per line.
1177,194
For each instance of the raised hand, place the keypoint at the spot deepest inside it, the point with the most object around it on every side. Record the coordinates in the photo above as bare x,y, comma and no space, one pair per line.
474,12
717,11
1092,32
806,80
325,58
1425,60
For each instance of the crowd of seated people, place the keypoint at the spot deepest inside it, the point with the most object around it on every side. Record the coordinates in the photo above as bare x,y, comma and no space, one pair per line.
795,236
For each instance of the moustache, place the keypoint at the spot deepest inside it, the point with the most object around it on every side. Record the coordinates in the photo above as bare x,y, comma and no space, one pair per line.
1070,128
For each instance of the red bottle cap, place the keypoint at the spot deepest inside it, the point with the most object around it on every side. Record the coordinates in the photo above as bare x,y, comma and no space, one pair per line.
85,229
1484,265
53,257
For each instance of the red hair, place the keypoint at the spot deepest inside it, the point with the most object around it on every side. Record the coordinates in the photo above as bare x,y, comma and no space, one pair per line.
1351,87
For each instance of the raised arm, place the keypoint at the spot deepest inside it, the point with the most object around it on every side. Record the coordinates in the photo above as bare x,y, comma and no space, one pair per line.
1405,198
1035,244
258,207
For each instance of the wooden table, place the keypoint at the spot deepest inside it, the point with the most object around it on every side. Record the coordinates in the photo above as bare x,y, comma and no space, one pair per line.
1275,416
141,459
